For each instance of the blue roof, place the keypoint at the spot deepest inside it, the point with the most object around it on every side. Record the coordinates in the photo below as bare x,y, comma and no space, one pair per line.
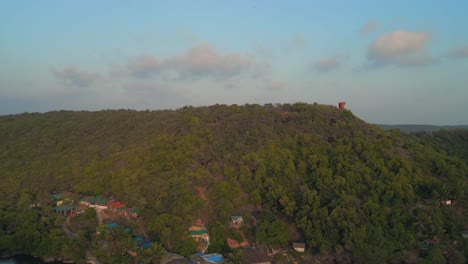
128,230
113,225
138,239
146,245
215,257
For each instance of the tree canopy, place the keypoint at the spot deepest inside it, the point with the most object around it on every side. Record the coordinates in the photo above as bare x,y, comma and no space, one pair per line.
348,187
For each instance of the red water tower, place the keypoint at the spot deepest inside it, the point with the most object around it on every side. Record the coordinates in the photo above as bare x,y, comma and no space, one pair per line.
341,105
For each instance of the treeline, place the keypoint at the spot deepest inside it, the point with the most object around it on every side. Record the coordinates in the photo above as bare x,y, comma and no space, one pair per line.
296,172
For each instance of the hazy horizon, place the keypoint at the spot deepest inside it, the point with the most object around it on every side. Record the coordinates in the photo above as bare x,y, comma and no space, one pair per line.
395,62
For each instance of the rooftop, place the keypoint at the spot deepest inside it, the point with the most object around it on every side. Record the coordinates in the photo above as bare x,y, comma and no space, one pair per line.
146,245
298,245
64,207
198,232
215,257
113,225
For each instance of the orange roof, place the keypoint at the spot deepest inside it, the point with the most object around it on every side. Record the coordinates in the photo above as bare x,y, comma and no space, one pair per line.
116,205
119,206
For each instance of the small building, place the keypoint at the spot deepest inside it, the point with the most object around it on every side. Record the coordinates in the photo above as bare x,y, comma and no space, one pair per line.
66,209
102,200
116,205
132,212
237,220
198,234
299,247
87,201
447,202
465,234
121,210
93,201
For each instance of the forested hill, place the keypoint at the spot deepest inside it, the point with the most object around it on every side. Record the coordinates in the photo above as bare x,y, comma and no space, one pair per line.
296,172
421,128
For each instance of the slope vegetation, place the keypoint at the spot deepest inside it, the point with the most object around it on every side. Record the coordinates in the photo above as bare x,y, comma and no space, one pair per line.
296,172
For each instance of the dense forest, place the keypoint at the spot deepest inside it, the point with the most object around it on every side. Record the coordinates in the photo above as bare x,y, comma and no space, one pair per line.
351,191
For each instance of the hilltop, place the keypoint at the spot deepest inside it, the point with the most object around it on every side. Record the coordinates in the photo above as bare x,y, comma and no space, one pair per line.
349,190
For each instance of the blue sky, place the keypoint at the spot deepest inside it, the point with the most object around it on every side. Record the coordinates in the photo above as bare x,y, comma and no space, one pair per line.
391,61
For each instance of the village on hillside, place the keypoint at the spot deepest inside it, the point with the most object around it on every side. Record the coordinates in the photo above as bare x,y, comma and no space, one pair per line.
112,214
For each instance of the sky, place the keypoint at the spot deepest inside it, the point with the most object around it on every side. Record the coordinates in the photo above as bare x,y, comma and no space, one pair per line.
393,62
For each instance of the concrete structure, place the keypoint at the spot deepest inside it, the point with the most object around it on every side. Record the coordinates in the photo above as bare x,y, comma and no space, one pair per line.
447,202
237,220
299,247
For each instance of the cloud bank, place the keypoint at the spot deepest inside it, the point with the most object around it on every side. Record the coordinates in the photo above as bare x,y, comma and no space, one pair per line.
401,48
200,61
70,76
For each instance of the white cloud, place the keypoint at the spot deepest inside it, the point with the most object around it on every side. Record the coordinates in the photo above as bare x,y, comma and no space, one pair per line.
204,61
200,61
400,48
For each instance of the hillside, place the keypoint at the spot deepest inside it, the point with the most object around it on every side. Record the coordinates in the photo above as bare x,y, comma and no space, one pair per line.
350,190
420,128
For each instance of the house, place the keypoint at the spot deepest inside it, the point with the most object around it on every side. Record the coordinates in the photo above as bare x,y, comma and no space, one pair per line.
102,200
132,212
66,209
116,205
121,210
237,220
87,201
97,201
63,198
299,247
198,233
